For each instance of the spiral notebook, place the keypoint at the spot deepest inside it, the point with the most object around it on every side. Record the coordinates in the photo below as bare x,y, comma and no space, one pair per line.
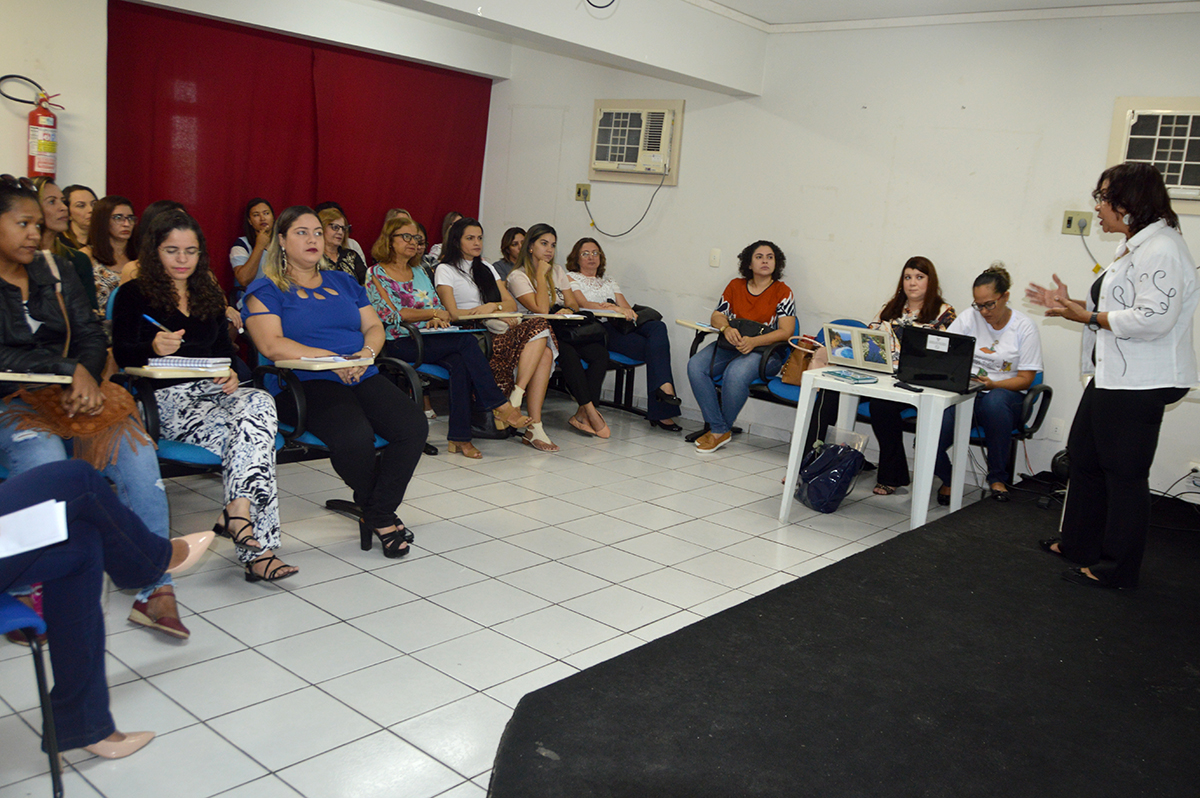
198,363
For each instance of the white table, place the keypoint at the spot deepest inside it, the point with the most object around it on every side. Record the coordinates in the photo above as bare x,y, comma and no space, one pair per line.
930,404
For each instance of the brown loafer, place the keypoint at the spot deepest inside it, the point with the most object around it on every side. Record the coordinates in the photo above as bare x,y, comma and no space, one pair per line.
166,621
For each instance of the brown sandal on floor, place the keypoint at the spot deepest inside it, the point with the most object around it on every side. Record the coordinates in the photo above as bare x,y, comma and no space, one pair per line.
466,448
166,622
883,490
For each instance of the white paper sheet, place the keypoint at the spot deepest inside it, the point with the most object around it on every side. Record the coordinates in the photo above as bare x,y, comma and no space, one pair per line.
33,527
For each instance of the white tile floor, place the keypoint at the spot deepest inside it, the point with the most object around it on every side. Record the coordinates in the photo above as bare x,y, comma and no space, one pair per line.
365,676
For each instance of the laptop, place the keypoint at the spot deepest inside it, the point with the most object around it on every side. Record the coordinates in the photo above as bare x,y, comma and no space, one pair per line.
936,359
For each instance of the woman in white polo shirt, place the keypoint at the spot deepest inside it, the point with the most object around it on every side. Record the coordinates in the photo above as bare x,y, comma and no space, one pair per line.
1137,343
1008,355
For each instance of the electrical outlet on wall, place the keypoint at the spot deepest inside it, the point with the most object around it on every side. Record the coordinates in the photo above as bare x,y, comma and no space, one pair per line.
1077,223
1054,429
1194,468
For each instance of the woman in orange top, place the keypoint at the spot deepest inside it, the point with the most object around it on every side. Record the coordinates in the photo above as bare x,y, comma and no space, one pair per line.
757,296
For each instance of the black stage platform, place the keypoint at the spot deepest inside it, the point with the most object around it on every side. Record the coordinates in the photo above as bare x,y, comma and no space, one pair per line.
948,661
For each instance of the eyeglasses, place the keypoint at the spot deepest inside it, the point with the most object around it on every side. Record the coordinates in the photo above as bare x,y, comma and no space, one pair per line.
1099,197
175,252
589,253
411,238
121,218
985,305
340,228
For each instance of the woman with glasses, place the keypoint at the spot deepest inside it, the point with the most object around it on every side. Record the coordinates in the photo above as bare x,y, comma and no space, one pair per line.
400,290
340,257
1008,355
175,287
647,342
110,244
80,201
1138,319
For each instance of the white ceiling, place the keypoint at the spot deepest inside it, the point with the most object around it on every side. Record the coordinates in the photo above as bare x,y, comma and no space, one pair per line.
807,12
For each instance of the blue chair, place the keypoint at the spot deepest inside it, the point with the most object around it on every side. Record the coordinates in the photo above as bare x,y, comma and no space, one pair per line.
1033,413
16,616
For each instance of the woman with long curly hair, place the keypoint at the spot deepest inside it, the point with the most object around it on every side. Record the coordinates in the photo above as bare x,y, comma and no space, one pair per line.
175,287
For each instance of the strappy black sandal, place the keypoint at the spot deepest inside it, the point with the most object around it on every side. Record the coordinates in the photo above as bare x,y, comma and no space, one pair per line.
395,543
221,529
270,572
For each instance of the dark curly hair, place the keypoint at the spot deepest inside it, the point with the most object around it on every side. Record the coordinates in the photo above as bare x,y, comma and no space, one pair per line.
205,300
745,256
1137,189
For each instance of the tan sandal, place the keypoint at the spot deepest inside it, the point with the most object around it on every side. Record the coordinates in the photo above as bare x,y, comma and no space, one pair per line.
465,448
535,436
508,416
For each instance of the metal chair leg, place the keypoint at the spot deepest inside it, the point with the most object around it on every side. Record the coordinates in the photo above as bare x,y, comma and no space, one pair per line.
49,735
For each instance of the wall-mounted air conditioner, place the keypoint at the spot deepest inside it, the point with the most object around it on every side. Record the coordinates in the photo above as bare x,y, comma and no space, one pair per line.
632,140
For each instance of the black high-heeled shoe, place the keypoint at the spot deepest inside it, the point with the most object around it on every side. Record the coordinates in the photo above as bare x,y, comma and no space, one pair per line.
667,398
394,543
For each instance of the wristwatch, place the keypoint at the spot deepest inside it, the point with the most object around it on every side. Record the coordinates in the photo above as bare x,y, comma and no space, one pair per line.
1094,321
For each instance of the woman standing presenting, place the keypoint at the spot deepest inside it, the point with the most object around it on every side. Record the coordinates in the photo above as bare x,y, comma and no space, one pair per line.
1137,343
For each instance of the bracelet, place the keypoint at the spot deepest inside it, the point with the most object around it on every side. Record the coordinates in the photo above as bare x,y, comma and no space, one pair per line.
368,346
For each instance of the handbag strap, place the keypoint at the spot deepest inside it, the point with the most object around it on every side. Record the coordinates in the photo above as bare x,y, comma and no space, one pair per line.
383,294
62,306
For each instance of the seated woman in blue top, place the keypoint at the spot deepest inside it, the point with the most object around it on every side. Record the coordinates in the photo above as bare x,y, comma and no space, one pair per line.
298,310
400,289
175,287
1008,355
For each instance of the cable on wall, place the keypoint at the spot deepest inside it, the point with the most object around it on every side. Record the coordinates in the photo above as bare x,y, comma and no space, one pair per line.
639,221
598,6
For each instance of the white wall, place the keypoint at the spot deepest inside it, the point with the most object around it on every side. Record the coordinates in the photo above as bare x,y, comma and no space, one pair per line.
74,63
963,143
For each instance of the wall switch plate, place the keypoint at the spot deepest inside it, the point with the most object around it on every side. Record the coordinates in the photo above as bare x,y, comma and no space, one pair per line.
1054,429
714,259
1194,468
1077,223
583,192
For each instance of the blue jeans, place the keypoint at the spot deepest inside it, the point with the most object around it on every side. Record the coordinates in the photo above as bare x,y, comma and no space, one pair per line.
102,535
738,370
136,475
997,411
650,344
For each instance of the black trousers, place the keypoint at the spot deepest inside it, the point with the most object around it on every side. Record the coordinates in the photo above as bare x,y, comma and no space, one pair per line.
583,384
1111,447
889,432
347,418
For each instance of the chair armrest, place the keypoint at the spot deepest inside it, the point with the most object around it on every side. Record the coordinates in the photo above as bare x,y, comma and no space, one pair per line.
415,333
698,339
401,369
766,355
1047,393
291,385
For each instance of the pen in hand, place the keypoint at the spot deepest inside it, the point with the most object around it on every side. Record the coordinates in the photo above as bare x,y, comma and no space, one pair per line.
155,323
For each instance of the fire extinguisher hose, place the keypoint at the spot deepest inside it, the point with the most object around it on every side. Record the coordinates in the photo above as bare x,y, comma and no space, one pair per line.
31,82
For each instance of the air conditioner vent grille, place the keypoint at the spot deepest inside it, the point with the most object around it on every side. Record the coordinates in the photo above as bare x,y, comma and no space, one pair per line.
654,130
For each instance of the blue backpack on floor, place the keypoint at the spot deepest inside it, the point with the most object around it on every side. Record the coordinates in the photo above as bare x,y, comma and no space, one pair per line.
827,474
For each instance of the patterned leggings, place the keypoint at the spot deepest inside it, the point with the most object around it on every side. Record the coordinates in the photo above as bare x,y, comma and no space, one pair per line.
240,429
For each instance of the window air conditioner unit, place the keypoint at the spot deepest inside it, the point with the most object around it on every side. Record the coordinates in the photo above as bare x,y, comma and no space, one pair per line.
629,140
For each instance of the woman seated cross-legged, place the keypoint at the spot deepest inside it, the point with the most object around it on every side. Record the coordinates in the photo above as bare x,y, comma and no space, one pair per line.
297,311
1008,355
647,342
175,287
401,291
522,351
916,303
541,286
762,305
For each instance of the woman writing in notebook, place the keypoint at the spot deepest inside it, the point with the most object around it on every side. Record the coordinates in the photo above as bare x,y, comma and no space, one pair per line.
1008,355
176,289
916,302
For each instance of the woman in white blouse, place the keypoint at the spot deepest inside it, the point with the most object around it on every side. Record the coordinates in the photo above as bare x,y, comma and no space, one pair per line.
1137,343
647,342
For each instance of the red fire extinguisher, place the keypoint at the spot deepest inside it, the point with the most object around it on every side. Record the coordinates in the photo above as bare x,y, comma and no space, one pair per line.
43,139
43,128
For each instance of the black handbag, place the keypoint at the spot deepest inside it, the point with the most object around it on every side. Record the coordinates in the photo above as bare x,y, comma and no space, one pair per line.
748,329
576,332
827,475
645,314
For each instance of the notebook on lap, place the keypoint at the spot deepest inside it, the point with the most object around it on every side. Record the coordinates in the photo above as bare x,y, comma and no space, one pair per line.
936,359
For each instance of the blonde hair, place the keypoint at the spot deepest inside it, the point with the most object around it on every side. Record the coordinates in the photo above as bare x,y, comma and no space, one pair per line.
273,260
382,250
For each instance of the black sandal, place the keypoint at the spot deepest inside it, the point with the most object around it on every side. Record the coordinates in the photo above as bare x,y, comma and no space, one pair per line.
221,529
270,574
395,543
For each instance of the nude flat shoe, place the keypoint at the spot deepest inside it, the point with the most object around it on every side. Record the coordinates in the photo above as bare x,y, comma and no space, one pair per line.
133,742
197,544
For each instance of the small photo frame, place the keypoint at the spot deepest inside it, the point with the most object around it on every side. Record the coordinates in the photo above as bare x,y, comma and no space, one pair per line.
858,347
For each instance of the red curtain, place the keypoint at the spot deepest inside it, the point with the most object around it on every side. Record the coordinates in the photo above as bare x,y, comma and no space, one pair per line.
213,114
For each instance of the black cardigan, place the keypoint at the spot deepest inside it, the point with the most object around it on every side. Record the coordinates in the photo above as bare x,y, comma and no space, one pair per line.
133,335
21,349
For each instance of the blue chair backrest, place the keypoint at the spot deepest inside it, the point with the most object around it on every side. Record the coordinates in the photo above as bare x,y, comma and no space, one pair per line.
15,615
843,322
